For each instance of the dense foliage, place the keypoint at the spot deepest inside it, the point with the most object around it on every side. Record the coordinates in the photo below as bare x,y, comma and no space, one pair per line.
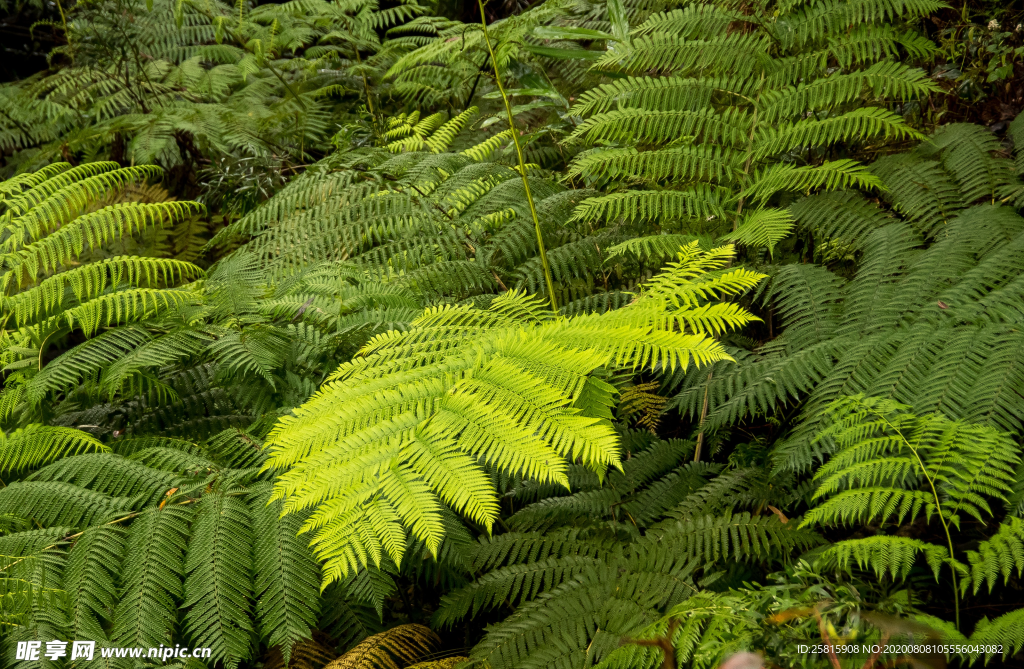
617,333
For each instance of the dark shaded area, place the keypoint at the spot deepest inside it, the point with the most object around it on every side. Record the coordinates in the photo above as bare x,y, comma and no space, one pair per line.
25,42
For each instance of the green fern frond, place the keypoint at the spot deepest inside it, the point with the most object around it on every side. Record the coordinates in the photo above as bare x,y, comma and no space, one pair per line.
492,408
1005,632
886,452
831,175
665,93
892,556
702,203
35,445
124,306
883,80
65,202
653,126
484,149
152,582
287,578
654,247
689,163
1000,555
218,589
763,228
867,123
90,281
63,504
91,579
729,55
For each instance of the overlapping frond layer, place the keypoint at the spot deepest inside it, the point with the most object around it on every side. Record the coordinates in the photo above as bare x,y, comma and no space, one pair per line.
714,125
931,317
183,79
60,271
582,575
444,226
404,428
173,526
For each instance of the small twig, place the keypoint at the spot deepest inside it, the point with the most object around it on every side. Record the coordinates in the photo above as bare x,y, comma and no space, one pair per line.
662,642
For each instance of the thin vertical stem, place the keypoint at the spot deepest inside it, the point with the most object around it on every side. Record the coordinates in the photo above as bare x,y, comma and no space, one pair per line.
366,84
522,163
703,416
63,20
938,511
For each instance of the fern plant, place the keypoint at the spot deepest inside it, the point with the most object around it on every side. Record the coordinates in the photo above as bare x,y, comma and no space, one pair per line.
233,354
48,287
720,115
245,340
354,419
929,315
583,570
175,83
890,467
157,356
163,541
447,224
915,306
534,55
511,388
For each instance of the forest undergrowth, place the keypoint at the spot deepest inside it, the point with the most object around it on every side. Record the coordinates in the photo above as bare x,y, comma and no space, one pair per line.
626,334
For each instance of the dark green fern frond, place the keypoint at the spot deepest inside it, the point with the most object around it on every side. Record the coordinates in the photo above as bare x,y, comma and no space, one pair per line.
91,578
35,445
1001,555
287,578
152,582
111,474
218,589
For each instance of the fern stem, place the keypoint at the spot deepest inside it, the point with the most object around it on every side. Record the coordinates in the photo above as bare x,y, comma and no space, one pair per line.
69,537
750,151
286,85
366,84
703,417
522,163
64,24
938,510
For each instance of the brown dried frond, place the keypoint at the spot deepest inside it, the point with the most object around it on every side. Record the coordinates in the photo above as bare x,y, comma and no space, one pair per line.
395,648
644,401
